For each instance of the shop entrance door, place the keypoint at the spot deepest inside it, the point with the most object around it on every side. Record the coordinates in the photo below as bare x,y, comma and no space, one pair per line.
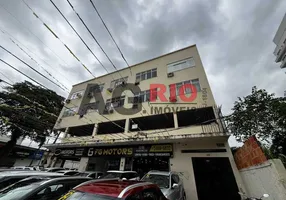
215,179
142,165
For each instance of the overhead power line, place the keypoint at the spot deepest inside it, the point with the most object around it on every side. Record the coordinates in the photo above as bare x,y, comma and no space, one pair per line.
64,87
2,81
92,35
56,36
98,45
23,73
111,36
31,67
79,36
13,38
33,34
6,77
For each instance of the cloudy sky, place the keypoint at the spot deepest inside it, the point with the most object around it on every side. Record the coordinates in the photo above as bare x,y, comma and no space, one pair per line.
234,39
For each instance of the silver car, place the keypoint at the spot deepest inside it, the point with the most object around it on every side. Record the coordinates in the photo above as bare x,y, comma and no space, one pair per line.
169,182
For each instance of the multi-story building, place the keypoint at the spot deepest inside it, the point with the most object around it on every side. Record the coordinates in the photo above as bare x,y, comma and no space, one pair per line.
170,122
280,41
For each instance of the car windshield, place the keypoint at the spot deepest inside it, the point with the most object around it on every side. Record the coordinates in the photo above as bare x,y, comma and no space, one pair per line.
163,181
113,175
19,184
16,193
82,174
75,195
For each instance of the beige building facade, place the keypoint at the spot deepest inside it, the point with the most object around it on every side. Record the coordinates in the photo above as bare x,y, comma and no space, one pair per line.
178,128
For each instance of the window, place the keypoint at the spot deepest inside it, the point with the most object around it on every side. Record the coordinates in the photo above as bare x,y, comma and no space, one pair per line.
175,179
146,74
70,112
179,65
187,90
143,96
50,192
71,173
77,94
93,107
115,102
117,82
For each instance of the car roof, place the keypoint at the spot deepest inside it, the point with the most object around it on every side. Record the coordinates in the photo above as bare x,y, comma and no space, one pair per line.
91,172
65,171
67,178
118,171
166,173
45,180
54,168
112,187
32,173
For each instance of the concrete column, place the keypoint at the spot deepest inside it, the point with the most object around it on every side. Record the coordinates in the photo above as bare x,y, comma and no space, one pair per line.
66,132
94,132
175,120
83,164
127,122
122,164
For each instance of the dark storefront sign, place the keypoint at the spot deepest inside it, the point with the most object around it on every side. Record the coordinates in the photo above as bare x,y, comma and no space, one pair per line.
26,153
125,151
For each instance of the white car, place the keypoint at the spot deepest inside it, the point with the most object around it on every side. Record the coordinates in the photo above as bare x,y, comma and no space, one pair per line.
124,175
24,168
91,174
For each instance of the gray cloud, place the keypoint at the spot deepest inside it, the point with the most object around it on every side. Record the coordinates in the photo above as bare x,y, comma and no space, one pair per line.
234,39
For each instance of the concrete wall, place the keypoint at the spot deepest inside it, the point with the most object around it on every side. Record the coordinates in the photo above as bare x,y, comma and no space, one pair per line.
269,177
183,162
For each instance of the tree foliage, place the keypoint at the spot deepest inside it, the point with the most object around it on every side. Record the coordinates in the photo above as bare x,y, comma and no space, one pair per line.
28,110
260,114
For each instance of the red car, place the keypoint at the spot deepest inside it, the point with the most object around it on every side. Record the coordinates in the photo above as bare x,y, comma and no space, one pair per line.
115,190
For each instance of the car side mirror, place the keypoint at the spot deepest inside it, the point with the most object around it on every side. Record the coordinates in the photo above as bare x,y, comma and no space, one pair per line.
98,176
175,185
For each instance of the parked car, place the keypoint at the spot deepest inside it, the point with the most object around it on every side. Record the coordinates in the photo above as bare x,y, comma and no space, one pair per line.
90,174
68,172
24,168
127,175
169,182
39,188
115,189
10,177
54,169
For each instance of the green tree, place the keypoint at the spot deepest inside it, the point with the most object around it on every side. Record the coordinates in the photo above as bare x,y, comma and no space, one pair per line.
260,114
27,110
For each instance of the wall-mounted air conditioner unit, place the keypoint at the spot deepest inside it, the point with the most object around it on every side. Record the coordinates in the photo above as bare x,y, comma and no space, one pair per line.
79,95
171,74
